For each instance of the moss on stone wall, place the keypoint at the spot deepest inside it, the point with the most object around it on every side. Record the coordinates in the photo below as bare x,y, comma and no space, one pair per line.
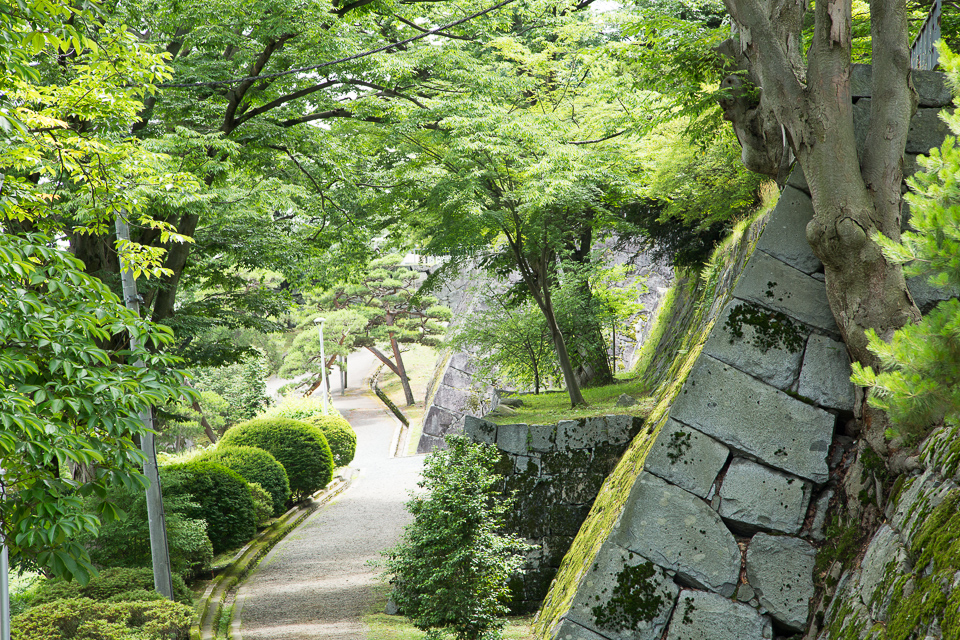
689,320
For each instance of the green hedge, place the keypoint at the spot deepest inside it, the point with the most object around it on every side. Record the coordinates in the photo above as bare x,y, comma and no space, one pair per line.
223,501
301,448
106,586
340,436
89,619
126,542
262,502
255,465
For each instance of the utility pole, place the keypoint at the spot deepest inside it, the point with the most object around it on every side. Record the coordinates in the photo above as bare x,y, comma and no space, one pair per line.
159,550
4,593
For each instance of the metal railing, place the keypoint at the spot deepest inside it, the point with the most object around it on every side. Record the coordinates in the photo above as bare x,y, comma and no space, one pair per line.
923,51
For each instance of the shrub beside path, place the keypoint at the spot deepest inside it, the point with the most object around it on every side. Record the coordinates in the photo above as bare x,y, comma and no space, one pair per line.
316,583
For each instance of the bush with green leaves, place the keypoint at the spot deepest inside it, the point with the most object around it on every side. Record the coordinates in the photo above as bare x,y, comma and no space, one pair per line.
297,408
255,465
83,618
301,448
920,381
109,585
262,502
451,568
223,501
340,436
66,396
126,542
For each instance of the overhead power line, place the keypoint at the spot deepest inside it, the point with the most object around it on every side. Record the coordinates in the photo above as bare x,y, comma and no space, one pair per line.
270,76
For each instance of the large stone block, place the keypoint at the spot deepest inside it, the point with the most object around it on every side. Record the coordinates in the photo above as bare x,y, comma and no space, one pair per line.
927,296
771,283
627,597
678,531
926,131
780,569
461,361
797,180
513,438
785,235
587,433
457,379
766,344
686,457
542,436
437,422
707,616
570,630
754,496
931,86
480,430
455,400
825,376
886,555
750,416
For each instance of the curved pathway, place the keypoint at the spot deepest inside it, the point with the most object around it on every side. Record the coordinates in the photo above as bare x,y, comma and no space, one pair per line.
316,582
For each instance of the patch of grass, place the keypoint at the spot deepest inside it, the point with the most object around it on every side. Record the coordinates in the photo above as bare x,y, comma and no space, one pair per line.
380,626
552,407
23,587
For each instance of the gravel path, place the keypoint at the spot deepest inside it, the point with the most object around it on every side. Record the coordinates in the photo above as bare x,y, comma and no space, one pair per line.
316,582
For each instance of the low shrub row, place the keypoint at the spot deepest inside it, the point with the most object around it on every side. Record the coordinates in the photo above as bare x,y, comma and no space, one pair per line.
213,502
85,618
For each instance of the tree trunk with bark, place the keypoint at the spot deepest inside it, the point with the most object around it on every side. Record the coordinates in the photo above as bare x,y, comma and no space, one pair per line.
855,195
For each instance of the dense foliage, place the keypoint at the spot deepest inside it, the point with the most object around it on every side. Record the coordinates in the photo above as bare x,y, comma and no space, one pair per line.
83,618
108,585
223,500
301,448
255,465
340,436
450,570
65,400
126,542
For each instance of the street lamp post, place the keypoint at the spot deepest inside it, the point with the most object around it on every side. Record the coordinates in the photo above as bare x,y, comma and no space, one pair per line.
323,367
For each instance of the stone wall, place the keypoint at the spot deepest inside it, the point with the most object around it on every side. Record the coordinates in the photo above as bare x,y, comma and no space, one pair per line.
906,585
454,394
709,527
555,472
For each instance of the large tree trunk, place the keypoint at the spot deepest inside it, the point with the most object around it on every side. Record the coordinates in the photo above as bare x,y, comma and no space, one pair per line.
854,195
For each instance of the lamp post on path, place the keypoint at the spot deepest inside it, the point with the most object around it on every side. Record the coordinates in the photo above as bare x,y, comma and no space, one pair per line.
323,367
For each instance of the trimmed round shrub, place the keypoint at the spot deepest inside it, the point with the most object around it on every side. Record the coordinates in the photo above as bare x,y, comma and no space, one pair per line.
340,436
108,585
255,465
88,619
301,448
223,500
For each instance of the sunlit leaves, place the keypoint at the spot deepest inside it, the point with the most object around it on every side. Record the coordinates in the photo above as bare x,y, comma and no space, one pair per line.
65,402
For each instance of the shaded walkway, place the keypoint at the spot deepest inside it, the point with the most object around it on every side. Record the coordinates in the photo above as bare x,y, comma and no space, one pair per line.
316,583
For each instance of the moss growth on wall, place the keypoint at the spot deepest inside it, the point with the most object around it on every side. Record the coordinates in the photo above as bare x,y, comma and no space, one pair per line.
688,321
772,329
634,599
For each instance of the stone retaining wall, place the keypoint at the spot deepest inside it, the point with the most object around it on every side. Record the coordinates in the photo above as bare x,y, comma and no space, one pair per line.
709,527
555,472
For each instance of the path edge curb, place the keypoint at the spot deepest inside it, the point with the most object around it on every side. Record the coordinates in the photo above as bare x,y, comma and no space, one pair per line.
227,582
